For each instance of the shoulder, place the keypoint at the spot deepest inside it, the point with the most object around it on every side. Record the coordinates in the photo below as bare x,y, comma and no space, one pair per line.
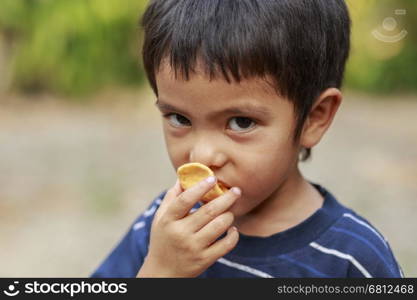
355,240
144,220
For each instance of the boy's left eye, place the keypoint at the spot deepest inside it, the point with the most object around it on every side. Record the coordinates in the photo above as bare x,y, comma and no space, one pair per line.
241,123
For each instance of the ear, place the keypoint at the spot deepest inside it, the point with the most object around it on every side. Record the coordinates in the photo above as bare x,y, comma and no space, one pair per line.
320,117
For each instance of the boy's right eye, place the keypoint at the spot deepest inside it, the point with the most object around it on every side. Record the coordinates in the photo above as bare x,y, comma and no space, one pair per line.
177,120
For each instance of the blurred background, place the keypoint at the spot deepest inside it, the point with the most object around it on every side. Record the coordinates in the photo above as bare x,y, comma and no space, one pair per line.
81,147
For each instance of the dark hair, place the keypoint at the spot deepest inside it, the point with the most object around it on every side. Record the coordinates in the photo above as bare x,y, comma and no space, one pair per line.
302,45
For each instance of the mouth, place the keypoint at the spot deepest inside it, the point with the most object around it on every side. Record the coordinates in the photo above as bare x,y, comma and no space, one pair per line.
223,186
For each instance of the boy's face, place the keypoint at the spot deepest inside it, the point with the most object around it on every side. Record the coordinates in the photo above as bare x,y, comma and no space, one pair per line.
243,132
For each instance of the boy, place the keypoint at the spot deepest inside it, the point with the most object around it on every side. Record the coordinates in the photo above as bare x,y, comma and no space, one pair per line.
248,87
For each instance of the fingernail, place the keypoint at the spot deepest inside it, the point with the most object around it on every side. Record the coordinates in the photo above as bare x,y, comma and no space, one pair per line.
236,190
210,179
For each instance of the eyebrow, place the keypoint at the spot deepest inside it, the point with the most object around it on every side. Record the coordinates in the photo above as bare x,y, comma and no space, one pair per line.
241,109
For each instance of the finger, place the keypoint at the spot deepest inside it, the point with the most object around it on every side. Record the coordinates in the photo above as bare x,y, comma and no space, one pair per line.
224,245
177,189
212,209
170,195
215,228
181,205
173,192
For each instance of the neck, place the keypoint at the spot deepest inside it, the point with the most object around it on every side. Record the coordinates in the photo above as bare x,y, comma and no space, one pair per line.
293,202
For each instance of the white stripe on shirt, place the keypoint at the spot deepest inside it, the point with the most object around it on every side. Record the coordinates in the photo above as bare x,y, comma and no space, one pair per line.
150,211
243,268
342,255
367,226
401,272
138,225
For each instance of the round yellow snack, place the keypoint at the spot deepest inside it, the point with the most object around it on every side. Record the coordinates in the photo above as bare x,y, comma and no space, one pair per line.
192,173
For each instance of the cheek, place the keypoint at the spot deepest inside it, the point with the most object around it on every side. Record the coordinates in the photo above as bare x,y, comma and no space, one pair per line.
262,178
176,148
266,169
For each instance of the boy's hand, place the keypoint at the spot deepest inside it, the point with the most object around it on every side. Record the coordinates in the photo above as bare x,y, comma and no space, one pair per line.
184,244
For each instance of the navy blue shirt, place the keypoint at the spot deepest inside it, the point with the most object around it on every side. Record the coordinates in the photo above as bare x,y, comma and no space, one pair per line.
333,242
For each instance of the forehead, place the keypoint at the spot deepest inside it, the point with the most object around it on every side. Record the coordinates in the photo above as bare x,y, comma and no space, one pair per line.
202,91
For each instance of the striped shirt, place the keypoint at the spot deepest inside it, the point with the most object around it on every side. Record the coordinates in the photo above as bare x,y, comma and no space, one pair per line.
333,242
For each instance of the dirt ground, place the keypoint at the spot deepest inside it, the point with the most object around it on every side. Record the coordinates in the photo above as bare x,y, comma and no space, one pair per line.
74,177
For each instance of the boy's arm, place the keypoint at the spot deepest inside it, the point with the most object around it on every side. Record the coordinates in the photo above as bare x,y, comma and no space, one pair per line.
184,244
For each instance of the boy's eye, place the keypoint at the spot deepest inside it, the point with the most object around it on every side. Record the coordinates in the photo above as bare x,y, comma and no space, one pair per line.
177,120
235,123
241,123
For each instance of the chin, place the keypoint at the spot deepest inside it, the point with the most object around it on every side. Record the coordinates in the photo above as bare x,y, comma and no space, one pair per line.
238,210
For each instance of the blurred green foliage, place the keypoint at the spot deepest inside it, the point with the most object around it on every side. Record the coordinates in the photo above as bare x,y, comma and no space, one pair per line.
376,65
75,47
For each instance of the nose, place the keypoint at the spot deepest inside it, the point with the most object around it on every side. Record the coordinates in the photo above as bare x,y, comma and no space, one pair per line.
208,152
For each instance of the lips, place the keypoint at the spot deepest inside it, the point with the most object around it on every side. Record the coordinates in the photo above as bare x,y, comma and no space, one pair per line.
223,186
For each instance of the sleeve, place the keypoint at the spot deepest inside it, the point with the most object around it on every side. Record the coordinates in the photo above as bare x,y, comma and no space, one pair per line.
125,260
380,269
388,268
375,262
